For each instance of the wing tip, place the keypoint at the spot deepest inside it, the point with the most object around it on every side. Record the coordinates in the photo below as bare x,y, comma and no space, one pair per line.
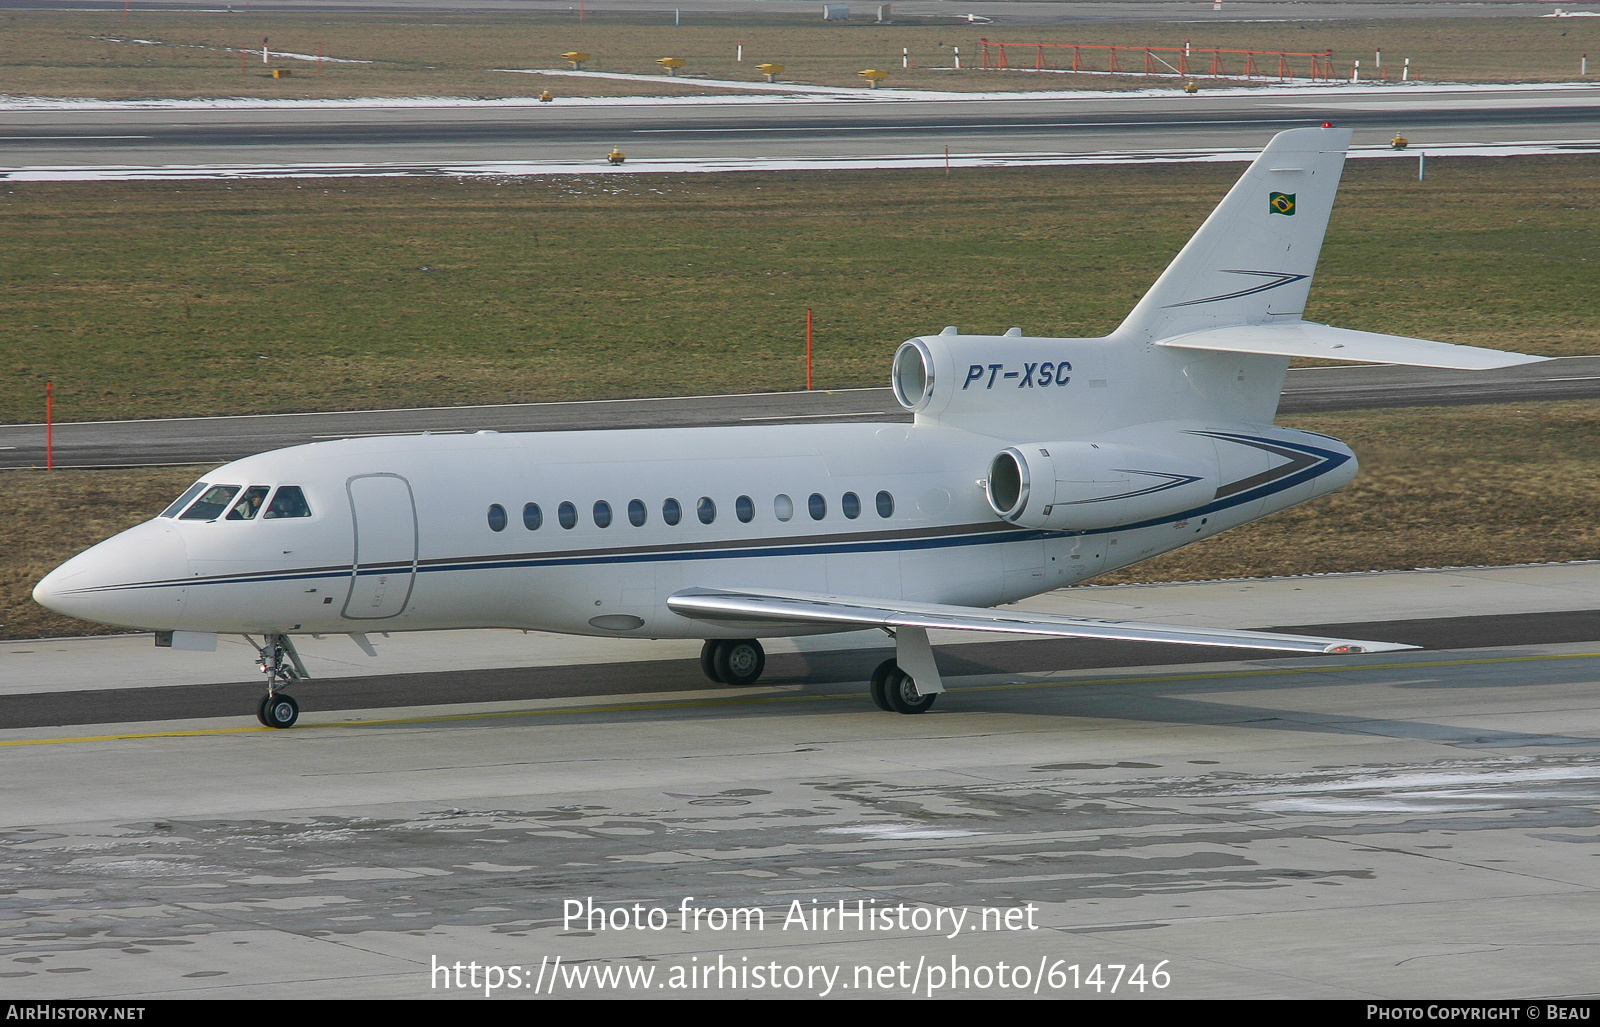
1353,648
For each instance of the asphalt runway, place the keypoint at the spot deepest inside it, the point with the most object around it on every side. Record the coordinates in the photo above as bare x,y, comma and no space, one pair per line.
1002,12
1359,827
825,668
1356,829
71,135
216,439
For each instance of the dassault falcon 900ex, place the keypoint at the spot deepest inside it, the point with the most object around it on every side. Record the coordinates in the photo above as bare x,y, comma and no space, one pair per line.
1032,463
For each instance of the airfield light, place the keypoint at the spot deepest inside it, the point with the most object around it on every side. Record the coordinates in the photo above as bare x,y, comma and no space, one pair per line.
1327,124
672,64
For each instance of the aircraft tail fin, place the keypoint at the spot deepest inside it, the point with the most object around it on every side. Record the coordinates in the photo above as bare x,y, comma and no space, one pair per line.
1252,260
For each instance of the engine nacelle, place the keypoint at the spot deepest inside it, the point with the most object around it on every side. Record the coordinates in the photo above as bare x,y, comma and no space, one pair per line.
1084,485
997,384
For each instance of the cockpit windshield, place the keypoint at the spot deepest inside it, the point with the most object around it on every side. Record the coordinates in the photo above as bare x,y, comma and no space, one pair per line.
210,504
289,501
228,502
249,503
183,500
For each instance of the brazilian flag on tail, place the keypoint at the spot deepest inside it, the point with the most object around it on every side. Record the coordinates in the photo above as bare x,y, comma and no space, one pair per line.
1281,203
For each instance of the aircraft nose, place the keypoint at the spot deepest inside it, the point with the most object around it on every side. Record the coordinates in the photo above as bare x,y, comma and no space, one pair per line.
134,580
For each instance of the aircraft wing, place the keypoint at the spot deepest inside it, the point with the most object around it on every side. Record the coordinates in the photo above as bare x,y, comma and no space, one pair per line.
854,612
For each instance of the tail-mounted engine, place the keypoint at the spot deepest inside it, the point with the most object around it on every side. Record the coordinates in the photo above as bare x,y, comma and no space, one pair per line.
1083,485
997,384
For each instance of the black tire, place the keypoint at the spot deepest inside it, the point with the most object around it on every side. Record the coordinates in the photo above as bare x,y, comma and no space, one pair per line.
281,710
708,660
740,662
880,678
261,710
903,696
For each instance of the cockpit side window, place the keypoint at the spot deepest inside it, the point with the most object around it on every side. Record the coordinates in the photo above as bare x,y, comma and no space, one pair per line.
288,501
210,504
183,500
249,504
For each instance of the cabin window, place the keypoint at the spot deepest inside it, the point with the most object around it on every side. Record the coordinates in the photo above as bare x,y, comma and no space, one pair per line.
532,516
497,517
249,504
885,505
211,503
636,512
567,514
745,507
817,506
851,505
672,511
706,510
183,500
783,507
602,514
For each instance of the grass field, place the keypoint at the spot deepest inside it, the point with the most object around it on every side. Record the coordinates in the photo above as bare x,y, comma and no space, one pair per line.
143,300
1438,487
155,54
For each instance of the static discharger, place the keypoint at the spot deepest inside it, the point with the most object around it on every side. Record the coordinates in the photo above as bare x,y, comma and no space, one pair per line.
672,64
772,71
874,76
575,58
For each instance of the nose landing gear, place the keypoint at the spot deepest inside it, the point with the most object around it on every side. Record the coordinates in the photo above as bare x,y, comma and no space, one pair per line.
733,661
281,664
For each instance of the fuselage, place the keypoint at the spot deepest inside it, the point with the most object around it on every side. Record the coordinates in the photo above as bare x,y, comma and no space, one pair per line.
590,532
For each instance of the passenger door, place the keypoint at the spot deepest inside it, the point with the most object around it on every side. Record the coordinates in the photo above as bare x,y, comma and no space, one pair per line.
384,561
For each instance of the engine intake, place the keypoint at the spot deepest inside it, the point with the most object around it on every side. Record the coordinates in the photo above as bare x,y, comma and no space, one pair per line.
1084,485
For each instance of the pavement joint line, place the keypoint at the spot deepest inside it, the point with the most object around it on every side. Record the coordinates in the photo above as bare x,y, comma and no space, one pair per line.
635,707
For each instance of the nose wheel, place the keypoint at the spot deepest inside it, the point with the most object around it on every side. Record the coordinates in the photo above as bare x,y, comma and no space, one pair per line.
278,710
733,661
278,660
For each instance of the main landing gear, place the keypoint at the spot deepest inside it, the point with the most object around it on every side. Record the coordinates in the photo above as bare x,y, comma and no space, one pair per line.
741,661
894,691
281,664
738,661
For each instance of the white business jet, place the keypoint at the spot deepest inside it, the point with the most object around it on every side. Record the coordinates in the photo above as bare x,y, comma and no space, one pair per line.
1032,463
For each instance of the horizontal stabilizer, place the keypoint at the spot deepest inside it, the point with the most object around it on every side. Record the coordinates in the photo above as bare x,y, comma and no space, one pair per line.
1306,339
853,613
